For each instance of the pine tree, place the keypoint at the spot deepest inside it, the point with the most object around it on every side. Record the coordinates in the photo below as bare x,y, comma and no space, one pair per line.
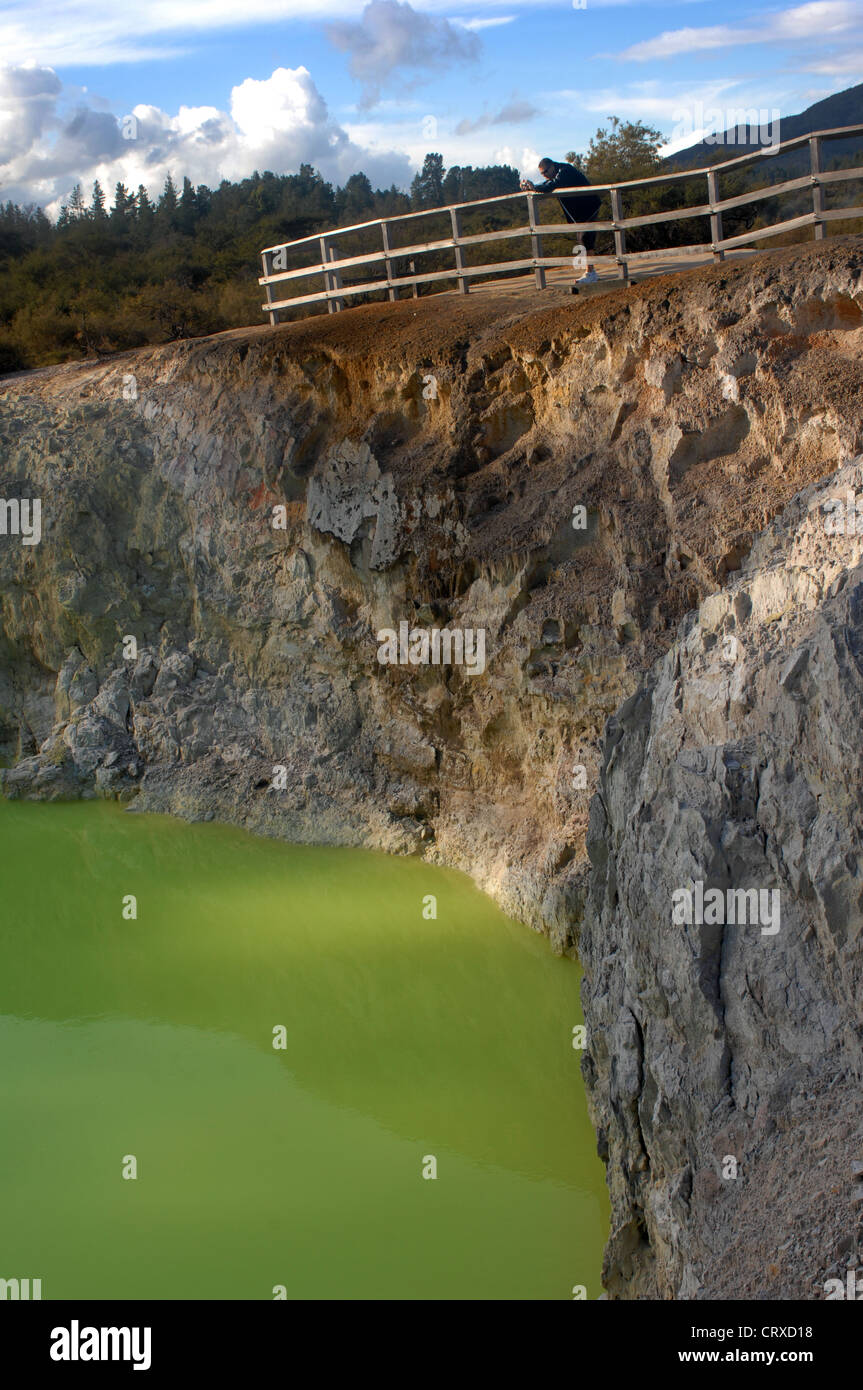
124,203
187,208
168,200
75,206
356,197
144,206
427,186
97,206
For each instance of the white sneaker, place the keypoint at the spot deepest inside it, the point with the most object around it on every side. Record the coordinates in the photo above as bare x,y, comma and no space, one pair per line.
590,278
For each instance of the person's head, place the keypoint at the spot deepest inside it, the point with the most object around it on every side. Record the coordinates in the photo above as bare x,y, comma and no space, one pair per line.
546,167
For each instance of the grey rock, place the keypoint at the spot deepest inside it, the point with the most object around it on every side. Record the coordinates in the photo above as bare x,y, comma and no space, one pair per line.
691,791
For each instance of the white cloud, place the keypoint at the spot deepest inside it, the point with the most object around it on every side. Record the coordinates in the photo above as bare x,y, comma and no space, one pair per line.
525,160
675,41
515,112
653,102
27,98
817,20
416,141
279,106
274,124
674,107
847,65
391,36
529,162
493,22
91,32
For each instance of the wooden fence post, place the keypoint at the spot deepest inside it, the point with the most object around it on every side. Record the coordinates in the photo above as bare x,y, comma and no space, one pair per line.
392,290
336,277
619,233
413,270
328,283
463,282
535,242
715,217
274,313
817,186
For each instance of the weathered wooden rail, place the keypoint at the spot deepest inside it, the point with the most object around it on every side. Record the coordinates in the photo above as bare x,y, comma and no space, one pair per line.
332,267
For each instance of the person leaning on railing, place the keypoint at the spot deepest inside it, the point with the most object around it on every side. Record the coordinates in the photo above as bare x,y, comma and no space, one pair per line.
576,208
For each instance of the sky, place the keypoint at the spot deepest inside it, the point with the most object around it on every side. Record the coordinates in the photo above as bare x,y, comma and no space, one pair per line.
214,89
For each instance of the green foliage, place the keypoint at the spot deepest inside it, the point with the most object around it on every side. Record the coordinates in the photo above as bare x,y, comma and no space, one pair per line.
623,152
465,184
106,278
427,186
626,150
97,205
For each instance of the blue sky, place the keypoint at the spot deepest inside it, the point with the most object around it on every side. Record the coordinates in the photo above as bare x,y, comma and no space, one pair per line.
218,89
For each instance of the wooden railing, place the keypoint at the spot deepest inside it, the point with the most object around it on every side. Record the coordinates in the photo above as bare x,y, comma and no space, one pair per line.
331,267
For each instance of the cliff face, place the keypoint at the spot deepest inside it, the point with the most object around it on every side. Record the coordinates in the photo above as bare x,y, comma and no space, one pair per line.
570,480
737,766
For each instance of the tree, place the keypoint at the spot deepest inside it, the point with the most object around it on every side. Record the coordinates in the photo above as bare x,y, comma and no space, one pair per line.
187,211
356,197
124,203
144,206
427,186
97,205
21,230
75,206
627,150
166,208
466,184
452,190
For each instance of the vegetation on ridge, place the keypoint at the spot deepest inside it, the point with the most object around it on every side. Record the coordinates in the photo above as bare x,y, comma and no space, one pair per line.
107,277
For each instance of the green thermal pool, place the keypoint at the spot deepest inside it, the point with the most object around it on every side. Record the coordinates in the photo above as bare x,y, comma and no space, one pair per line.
152,1039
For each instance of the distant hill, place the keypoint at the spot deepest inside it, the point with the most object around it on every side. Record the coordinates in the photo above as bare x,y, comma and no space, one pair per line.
844,108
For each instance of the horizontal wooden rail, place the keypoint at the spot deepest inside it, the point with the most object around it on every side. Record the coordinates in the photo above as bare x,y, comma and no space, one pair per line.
807,220
332,266
840,214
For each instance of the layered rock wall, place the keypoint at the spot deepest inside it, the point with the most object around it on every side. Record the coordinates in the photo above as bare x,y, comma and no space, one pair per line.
726,1054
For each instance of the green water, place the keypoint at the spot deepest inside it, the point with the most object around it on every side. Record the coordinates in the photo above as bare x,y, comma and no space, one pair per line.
258,1167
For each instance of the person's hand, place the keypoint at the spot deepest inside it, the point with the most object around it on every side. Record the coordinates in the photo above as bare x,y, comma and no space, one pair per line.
526,186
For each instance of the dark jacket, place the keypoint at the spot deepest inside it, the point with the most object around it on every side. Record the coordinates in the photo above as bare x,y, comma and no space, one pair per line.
580,208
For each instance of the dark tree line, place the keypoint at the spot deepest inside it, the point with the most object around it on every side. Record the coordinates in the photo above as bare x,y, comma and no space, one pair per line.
122,271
